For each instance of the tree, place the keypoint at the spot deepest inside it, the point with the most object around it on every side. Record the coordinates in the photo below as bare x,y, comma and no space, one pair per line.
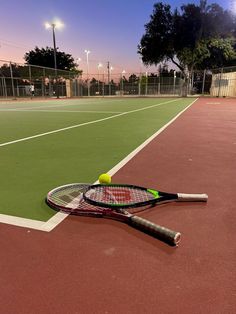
45,57
133,78
221,52
194,38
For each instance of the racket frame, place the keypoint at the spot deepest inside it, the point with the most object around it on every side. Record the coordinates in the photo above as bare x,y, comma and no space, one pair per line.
158,196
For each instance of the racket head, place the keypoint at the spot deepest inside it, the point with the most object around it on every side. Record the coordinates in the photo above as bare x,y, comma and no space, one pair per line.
119,196
67,197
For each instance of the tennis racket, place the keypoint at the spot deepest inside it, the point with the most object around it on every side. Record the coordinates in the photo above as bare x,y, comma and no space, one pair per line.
70,198
128,196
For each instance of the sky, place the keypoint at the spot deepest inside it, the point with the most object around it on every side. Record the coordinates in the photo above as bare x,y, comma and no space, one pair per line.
110,29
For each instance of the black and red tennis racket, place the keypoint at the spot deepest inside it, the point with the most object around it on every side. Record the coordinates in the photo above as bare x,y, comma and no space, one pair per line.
72,198
128,196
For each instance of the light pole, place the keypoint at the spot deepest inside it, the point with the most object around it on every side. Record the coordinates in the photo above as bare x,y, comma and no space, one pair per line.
53,25
99,66
122,82
110,79
87,53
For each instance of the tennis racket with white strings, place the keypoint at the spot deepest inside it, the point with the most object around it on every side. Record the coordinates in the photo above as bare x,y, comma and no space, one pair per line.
71,198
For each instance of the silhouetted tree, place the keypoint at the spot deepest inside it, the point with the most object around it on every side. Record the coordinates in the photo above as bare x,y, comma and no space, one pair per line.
194,38
45,57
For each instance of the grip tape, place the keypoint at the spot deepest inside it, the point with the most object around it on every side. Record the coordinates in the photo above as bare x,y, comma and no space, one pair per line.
166,235
182,197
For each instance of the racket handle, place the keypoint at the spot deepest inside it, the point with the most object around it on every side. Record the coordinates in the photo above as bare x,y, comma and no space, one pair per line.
162,233
182,197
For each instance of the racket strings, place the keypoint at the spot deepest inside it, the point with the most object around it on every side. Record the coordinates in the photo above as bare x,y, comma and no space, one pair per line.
118,195
70,199
67,195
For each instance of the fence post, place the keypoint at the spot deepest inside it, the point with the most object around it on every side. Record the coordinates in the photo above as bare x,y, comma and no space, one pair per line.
4,86
174,82
203,82
103,84
220,82
146,86
12,81
43,82
139,85
30,75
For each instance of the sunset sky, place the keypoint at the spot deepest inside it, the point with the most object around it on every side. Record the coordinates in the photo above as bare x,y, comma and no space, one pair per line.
111,30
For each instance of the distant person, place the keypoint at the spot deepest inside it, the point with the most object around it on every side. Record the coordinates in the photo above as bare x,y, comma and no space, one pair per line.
32,90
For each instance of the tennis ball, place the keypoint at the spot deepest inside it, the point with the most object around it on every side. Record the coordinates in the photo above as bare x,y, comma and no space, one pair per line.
104,178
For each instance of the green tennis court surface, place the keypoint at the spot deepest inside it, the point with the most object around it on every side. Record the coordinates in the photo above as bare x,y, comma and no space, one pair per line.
49,143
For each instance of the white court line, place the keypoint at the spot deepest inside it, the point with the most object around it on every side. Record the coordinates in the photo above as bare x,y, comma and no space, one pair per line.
213,103
60,216
83,124
22,222
56,111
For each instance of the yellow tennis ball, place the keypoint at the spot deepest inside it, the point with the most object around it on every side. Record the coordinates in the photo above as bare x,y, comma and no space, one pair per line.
104,178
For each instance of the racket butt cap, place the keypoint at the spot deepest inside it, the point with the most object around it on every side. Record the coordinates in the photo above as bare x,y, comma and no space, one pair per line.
177,238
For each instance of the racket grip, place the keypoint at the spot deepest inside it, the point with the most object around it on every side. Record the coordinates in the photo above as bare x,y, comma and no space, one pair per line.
182,197
166,235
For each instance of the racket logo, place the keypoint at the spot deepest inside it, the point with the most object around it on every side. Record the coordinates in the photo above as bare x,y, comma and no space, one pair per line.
116,196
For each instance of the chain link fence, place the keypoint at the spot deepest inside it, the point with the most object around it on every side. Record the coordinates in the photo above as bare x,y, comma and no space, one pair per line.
129,84
219,82
16,80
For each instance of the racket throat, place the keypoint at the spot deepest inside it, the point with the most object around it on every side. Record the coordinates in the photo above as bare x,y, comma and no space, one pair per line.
154,193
